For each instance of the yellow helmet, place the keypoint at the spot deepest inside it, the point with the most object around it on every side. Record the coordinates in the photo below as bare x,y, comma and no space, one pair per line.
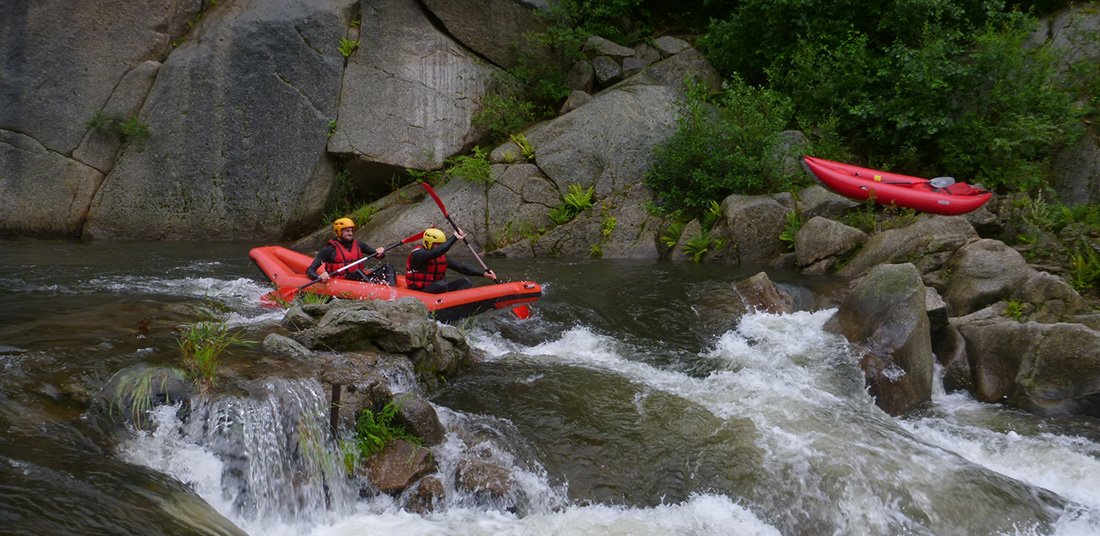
432,237
339,225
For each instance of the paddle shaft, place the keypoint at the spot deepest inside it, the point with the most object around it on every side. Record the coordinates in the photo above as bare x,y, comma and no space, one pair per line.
521,312
364,259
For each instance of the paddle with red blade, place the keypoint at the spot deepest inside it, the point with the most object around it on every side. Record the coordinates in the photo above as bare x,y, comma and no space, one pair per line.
287,294
521,311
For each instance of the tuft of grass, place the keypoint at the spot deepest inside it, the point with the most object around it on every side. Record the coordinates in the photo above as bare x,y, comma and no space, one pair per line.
347,46
129,130
1015,310
201,346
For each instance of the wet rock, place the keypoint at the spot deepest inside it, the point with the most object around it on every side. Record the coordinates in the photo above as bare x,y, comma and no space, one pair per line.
885,315
721,309
950,348
135,390
418,417
982,273
427,495
1046,368
400,326
285,346
938,315
480,477
398,466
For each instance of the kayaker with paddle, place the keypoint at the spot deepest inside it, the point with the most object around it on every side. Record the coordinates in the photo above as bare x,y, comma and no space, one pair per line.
344,250
426,267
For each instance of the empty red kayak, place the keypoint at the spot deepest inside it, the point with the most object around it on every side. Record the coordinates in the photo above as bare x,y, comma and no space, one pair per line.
938,196
287,268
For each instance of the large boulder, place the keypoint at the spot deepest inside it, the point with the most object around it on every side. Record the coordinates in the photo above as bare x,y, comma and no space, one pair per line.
750,227
608,143
399,465
927,243
62,62
400,326
885,316
982,273
1039,367
822,239
409,95
1051,298
721,309
495,29
213,166
817,201
617,227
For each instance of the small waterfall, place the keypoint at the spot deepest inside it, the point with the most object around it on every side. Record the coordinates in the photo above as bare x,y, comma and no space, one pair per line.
263,460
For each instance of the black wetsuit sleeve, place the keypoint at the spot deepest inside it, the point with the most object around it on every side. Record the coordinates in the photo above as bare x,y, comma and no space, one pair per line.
323,256
418,260
463,269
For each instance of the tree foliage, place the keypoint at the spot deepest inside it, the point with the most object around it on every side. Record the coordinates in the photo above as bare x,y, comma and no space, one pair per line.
928,86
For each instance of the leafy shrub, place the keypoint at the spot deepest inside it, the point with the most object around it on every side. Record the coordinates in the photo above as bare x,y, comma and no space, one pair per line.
698,245
473,167
505,115
725,145
373,431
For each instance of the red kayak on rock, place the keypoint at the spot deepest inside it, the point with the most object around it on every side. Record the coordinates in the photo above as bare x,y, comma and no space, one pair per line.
941,195
287,268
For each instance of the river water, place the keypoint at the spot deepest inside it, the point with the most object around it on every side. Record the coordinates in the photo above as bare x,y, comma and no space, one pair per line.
625,405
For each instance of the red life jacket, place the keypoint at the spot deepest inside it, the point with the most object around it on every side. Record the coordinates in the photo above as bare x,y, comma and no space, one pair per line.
436,270
342,257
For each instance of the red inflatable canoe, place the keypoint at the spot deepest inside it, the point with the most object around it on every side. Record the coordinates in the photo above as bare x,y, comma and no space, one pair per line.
287,268
893,189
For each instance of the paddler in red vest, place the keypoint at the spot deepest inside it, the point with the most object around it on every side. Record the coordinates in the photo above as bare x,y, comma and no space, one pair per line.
344,250
427,265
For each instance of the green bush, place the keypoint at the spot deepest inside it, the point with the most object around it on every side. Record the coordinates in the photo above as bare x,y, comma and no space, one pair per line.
931,87
725,144
473,167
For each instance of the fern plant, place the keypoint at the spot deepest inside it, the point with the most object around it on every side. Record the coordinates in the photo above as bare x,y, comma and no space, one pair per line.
373,431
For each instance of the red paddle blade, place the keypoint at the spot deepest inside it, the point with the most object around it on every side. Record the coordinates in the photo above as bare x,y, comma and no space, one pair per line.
522,312
280,297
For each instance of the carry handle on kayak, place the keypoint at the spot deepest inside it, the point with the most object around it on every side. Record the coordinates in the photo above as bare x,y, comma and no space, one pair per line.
521,311
287,294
